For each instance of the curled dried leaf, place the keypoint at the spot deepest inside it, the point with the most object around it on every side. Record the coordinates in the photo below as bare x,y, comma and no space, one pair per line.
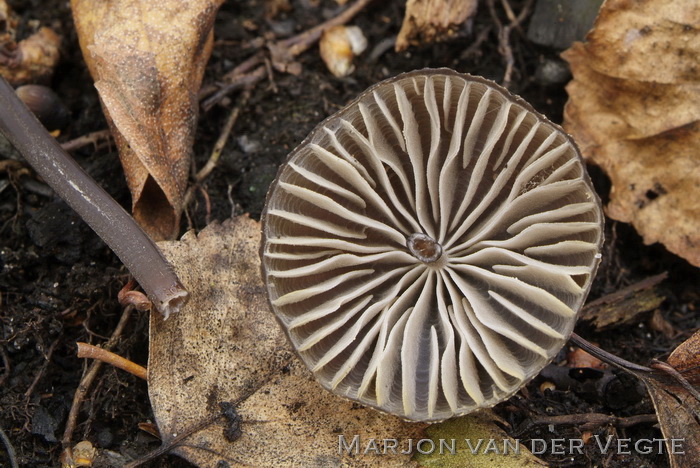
147,59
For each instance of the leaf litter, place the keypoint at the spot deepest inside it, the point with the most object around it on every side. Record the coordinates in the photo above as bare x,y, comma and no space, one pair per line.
224,351
634,109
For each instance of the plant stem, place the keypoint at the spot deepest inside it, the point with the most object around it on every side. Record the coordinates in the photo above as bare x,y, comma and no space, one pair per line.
95,206
86,350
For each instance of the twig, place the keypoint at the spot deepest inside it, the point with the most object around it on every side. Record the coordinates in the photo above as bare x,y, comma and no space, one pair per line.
301,42
271,76
228,410
608,357
223,138
89,378
8,165
209,166
207,204
104,215
6,363
244,67
9,448
89,139
175,442
476,44
675,375
586,421
253,69
30,390
86,350
239,82
504,33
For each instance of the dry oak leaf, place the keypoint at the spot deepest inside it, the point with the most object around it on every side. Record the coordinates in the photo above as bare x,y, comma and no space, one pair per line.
147,59
225,347
634,108
428,21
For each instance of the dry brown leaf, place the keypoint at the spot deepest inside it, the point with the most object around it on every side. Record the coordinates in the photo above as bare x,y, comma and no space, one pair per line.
677,407
427,21
30,60
686,359
678,412
674,389
634,108
226,346
147,59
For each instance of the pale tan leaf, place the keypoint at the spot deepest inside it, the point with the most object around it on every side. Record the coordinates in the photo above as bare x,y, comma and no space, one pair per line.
226,347
634,108
147,59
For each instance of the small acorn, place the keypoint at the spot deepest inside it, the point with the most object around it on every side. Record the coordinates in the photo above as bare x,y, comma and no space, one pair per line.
45,105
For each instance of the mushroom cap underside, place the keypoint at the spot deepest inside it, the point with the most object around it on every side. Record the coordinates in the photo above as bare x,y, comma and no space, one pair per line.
428,247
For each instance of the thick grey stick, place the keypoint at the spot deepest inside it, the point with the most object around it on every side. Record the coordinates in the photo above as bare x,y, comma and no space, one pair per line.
99,210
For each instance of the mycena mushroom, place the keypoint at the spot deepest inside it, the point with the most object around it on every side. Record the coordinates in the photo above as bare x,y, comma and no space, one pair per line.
428,247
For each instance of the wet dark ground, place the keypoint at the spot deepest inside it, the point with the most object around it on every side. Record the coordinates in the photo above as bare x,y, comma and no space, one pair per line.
58,282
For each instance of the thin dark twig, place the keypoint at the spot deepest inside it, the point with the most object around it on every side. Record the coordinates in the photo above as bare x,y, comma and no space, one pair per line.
239,82
175,442
476,44
9,448
99,210
244,67
668,369
211,164
504,46
207,205
89,378
204,172
44,366
608,357
587,421
223,137
89,139
6,363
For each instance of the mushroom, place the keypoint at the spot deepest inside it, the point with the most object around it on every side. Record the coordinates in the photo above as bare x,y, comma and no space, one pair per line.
428,247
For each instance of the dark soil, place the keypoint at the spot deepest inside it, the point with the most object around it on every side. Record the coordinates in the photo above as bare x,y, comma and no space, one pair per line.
58,281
